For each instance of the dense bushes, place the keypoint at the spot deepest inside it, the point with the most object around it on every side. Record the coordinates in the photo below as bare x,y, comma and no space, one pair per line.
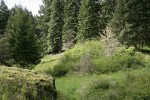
90,57
75,59
122,59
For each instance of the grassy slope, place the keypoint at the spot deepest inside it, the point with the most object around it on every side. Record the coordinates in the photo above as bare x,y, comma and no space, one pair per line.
47,63
72,86
23,84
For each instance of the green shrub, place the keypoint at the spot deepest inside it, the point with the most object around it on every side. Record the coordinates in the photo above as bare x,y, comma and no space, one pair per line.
132,87
101,89
95,48
90,57
122,59
137,87
63,68
79,58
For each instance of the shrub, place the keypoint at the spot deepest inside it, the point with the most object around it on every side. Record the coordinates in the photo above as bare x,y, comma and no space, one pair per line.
101,89
90,57
122,59
132,87
95,48
137,87
79,58
62,69
86,65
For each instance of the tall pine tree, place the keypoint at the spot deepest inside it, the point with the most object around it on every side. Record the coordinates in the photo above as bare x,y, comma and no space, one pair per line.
118,22
42,24
106,13
71,10
4,14
22,39
88,20
137,22
55,26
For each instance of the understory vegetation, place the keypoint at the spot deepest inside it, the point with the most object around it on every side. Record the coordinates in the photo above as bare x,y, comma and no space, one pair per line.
90,57
85,72
89,49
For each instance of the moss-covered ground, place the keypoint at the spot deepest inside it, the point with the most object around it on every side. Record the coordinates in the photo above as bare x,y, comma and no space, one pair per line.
23,84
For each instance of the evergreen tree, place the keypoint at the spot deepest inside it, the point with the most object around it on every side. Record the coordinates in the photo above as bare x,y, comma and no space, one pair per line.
55,26
71,10
88,20
4,51
118,22
42,24
106,13
131,22
137,22
4,14
22,39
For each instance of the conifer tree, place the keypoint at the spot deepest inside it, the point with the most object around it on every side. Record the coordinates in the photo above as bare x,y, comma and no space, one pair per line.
137,22
118,22
22,39
4,14
71,10
42,24
88,20
131,22
106,13
55,26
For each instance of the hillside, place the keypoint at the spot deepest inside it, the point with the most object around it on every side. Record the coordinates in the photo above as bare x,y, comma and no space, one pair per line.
85,72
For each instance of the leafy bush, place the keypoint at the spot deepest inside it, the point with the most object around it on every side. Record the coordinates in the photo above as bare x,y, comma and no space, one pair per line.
62,69
122,59
95,48
79,58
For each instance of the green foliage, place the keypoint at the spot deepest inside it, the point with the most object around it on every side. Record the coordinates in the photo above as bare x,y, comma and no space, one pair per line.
124,85
88,20
131,22
76,59
131,87
90,57
47,63
122,59
23,42
95,48
71,10
5,55
55,26
21,84
42,24
106,13
62,69
4,14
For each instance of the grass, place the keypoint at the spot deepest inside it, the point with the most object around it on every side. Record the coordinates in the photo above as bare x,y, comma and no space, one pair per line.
74,87
47,63
86,73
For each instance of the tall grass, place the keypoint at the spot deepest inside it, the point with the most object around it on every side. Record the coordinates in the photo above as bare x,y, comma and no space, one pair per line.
123,85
